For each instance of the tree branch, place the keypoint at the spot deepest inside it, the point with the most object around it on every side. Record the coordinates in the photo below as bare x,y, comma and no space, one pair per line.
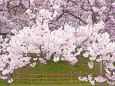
83,21
60,15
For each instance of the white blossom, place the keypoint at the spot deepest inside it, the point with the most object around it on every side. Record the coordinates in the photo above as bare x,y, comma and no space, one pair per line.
33,64
10,81
90,64
100,79
83,78
55,59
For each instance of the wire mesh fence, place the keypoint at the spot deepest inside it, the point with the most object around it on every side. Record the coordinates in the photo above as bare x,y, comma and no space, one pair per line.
36,78
31,77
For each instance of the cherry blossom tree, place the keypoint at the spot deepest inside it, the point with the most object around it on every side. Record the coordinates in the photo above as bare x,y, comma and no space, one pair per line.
57,30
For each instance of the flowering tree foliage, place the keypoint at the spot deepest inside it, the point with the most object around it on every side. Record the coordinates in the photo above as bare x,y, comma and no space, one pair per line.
82,12
40,40
55,36
74,12
99,47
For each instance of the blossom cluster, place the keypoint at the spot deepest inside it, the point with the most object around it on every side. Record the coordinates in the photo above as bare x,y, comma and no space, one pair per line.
98,47
37,39
92,80
64,43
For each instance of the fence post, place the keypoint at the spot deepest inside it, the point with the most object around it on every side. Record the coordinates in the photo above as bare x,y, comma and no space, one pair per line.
54,77
101,71
9,77
71,76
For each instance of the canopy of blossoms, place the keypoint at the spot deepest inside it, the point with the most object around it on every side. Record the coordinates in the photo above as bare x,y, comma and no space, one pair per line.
64,43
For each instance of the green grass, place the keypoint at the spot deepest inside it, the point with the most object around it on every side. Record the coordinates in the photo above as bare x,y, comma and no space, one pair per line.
61,66
44,83
65,66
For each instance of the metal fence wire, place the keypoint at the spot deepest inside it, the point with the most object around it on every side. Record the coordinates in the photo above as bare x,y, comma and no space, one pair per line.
36,78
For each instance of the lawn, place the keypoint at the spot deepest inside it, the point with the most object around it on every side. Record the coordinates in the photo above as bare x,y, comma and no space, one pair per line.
63,66
78,83
50,67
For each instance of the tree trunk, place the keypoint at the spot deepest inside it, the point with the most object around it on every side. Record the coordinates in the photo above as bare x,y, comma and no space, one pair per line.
9,77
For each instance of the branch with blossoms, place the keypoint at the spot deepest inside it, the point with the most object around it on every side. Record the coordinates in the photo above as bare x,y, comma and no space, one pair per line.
91,11
77,17
57,45
70,13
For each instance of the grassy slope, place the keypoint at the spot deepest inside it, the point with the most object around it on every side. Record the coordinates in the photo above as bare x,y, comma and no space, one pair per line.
61,66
